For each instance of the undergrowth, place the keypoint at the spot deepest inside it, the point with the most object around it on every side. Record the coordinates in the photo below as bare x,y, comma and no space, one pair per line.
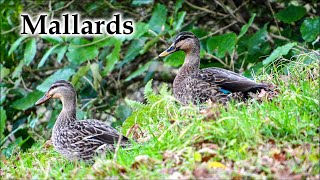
258,138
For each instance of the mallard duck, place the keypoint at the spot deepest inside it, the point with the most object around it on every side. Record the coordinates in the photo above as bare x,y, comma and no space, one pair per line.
199,85
78,139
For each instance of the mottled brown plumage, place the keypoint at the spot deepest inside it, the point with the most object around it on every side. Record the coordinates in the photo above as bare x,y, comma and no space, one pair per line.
199,85
78,139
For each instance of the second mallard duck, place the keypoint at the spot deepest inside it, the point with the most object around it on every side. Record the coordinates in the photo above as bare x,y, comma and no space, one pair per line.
74,139
199,85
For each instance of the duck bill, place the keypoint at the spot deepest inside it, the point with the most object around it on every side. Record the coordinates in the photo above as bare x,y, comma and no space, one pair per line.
44,99
170,50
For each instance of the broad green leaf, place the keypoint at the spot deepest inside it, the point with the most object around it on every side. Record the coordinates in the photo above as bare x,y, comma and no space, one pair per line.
179,20
113,57
61,74
255,41
158,19
60,53
82,71
53,39
178,5
291,14
140,29
96,75
3,95
133,50
245,27
46,55
139,71
253,70
175,59
17,71
30,51
28,101
310,29
149,44
141,2
280,51
80,51
123,112
222,44
102,41
3,72
16,44
3,119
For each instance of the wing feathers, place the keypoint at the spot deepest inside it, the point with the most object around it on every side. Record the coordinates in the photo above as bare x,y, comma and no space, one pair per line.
228,80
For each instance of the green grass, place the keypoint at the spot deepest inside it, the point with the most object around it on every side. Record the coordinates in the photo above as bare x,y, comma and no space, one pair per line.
275,139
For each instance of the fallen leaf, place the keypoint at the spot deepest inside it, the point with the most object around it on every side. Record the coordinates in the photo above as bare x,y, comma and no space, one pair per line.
286,174
144,160
178,175
262,93
216,164
212,112
167,171
170,156
47,144
197,157
210,145
279,156
101,167
206,154
136,132
201,172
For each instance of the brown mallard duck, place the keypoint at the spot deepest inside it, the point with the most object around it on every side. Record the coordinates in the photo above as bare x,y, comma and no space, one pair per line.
78,139
199,85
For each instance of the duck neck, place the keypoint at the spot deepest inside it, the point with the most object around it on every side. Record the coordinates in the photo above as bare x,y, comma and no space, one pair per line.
68,113
190,65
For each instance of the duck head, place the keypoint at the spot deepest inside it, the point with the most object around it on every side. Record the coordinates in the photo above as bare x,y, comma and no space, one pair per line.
185,41
60,89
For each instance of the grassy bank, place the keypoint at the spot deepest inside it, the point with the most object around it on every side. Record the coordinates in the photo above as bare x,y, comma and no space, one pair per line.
259,138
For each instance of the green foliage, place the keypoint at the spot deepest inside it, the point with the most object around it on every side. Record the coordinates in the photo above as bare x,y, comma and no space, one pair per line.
223,43
28,101
58,75
310,29
291,14
3,119
175,59
47,54
280,51
144,114
30,51
158,18
138,72
141,2
79,51
113,57
245,27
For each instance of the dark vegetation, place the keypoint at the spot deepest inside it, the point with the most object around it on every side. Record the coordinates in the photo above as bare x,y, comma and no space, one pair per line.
249,37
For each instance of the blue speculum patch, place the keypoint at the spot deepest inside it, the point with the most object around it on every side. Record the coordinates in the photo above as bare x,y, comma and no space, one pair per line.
224,91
